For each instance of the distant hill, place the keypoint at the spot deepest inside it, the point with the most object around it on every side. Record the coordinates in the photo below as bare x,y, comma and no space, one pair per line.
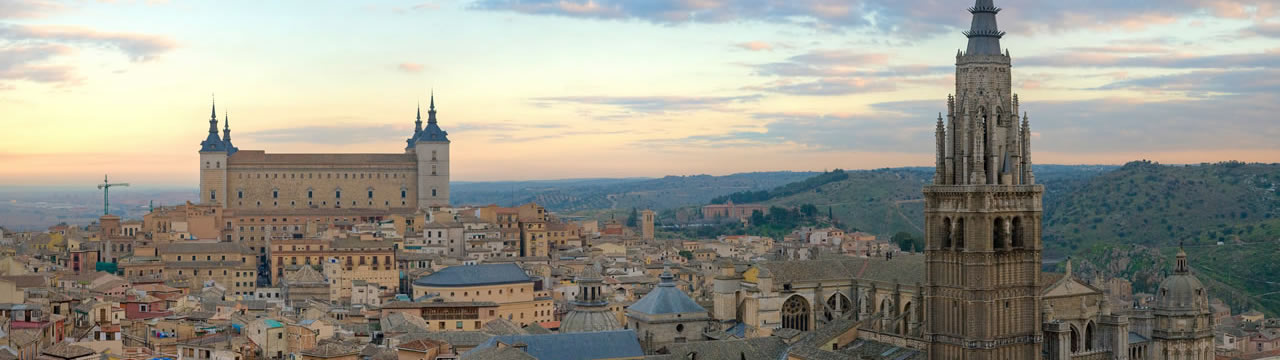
618,194
886,201
1132,220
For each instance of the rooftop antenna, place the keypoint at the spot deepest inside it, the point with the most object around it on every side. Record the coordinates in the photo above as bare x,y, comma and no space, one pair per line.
106,189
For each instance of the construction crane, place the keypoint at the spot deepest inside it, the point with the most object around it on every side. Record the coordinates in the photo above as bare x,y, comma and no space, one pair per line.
106,188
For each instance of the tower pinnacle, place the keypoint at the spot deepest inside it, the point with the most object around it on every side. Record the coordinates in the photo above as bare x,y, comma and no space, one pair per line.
984,36
417,125
431,110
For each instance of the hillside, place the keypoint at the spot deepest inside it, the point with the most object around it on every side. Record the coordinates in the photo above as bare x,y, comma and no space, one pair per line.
619,194
886,201
1131,221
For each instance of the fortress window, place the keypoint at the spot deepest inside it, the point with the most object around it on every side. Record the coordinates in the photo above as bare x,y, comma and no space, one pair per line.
403,193
433,155
239,194
275,194
433,169
337,194
433,192
218,164
213,194
370,194
309,194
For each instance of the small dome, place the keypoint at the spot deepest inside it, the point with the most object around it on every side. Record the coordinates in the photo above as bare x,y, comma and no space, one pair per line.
1182,290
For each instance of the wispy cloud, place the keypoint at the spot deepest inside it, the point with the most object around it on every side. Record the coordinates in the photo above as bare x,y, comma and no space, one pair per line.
654,104
342,134
907,18
138,47
410,67
27,9
755,46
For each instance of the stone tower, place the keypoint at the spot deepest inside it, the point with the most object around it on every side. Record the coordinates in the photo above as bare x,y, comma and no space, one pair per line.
646,224
982,213
431,144
213,162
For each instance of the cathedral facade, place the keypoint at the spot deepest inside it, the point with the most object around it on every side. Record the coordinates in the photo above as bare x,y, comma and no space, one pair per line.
416,179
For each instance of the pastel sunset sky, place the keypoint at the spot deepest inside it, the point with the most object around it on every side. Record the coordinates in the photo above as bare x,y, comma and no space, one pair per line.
545,89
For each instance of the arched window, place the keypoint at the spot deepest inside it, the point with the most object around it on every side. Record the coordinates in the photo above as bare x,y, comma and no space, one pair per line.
1019,233
1088,336
1075,339
795,313
998,234
958,234
946,233
837,306
904,325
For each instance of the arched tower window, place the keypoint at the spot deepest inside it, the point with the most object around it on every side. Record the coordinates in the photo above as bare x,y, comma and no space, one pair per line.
946,233
904,325
998,234
795,313
958,234
1019,233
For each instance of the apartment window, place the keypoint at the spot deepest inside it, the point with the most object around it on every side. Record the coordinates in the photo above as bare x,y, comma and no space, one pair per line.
213,194
459,325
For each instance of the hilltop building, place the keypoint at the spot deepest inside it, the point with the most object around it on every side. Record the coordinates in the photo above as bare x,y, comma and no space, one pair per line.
254,179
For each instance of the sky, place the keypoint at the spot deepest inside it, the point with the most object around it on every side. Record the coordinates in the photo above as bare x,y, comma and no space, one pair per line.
550,89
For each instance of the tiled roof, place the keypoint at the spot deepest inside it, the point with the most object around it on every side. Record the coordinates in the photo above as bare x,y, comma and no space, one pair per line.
903,268
330,350
67,351
618,344
475,275
666,299
259,157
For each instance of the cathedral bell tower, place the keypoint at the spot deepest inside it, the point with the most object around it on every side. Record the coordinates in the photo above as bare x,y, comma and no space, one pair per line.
983,212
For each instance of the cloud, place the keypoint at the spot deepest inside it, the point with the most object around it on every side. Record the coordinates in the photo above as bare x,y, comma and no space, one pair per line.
410,67
28,52
840,72
908,18
826,86
755,46
342,134
24,62
138,47
1168,60
655,104
1205,82
1264,29
1243,121
27,9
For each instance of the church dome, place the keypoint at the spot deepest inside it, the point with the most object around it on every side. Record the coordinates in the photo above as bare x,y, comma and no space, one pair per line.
1182,290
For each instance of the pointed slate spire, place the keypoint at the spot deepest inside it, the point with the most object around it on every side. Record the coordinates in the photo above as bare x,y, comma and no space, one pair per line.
212,142
431,110
226,126
984,36
417,125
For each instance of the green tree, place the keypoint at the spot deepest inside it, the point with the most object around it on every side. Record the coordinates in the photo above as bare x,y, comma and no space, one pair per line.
633,220
907,242
686,254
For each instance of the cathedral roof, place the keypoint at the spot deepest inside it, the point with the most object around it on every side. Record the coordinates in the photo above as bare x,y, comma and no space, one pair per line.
902,268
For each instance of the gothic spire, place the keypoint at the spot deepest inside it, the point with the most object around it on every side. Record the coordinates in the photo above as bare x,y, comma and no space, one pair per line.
417,125
226,125
431,110
213,118
984,36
